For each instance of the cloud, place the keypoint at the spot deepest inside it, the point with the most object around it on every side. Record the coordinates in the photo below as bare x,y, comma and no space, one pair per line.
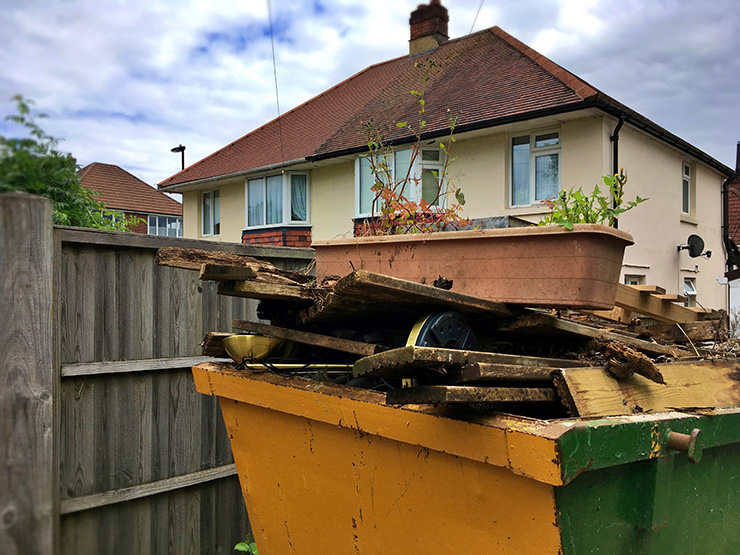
124,82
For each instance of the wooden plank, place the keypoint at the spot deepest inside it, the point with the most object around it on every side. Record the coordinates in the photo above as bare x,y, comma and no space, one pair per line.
136,240
647,304
689,386
28,380
438,394
267,291
309,338
221,272
124,366
489,371
648,289
616,314
87,502
213,344
541,320
408,361
682,333
670,297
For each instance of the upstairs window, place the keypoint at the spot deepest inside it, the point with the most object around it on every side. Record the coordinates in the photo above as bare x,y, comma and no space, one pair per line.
686,191
535,168
422,175
211,213
280,199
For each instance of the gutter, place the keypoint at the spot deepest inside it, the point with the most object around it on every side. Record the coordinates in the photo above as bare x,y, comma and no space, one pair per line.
175,186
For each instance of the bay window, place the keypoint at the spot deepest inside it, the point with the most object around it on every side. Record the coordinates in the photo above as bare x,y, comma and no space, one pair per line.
418,175
535,168
170,226
279,199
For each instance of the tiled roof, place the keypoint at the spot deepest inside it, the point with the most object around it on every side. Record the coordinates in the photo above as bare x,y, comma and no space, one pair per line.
122,191
484,79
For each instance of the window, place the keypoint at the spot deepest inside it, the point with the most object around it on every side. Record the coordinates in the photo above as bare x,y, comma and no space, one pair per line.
689,291
169,226
423,176
211,213
535,168
633,279
279,199
686,189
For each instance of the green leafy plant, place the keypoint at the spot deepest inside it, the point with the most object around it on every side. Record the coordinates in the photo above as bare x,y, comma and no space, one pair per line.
574,207
34,165
393,210
248,545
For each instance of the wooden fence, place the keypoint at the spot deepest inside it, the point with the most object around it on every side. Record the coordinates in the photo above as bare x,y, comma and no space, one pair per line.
106,447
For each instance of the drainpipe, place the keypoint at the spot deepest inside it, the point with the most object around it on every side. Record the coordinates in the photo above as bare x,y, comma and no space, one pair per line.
615,154
726,240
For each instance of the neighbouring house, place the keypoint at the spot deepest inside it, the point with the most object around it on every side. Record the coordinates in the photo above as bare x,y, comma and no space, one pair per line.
120,190
526,129
733,233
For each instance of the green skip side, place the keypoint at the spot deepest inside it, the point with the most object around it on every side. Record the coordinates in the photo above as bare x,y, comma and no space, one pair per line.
658,506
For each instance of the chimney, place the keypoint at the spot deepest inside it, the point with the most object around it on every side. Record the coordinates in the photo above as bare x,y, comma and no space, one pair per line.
428,27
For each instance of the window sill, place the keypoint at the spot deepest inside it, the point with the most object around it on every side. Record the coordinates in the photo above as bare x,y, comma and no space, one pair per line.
268,227
687,219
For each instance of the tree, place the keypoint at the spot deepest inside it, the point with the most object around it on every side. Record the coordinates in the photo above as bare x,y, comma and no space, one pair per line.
34,165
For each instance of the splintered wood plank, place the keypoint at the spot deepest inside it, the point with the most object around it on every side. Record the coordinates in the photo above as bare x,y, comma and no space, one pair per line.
437,394
269,291
682,333
213,344
497,372
221,272
648,304
406,362
539,320
594,392
310,338
361,287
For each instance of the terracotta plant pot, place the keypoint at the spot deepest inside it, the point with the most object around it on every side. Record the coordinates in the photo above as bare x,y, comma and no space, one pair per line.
545,266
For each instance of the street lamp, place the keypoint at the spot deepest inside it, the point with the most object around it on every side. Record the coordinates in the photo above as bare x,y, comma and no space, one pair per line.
181,150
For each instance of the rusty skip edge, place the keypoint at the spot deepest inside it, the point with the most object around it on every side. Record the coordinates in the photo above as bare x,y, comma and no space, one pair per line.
552,452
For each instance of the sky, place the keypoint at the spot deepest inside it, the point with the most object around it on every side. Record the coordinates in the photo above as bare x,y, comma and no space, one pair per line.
124,81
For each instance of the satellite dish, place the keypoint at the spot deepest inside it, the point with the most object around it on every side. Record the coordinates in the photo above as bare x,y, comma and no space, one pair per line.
696,246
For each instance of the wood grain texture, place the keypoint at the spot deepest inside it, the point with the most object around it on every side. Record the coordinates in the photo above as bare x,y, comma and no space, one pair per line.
649,304
460,394
696,385
28,378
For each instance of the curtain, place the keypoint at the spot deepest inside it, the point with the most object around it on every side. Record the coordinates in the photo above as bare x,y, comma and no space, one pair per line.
298,198
274,195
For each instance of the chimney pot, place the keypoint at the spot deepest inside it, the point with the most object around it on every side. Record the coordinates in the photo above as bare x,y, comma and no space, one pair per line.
428,26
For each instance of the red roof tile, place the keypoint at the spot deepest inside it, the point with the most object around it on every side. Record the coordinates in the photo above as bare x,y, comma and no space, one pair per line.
122,191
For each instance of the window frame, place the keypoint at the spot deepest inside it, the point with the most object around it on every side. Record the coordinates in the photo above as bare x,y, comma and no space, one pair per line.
215,215
418,166
286,208
178,221
687,188
690,292
534,153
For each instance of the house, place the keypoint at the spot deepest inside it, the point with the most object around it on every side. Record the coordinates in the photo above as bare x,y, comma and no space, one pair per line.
120,190
526,128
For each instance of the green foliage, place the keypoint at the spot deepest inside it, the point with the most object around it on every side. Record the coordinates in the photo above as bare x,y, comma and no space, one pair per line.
574,207
392,211
34,165
248,545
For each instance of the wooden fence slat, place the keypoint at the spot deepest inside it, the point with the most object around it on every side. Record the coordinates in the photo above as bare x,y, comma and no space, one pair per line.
124,366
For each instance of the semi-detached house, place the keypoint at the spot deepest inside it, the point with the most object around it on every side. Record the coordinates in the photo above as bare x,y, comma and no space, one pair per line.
526,128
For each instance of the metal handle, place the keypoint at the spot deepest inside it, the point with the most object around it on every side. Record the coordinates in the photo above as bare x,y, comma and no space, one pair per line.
686,443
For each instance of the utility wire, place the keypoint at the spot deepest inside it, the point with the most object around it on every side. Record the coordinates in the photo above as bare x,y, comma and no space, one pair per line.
476,16
274,72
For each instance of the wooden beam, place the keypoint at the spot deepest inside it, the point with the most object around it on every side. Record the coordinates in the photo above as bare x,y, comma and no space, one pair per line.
268,291
648,289
309,338
671,297
221,272
692,331
490,371
436,394
616,314
125,366
650,305
29,382
77,504
689,386
533,320
406,362
213,344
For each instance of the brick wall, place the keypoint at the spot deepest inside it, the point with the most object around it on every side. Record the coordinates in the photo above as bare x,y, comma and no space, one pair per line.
287,236
142,226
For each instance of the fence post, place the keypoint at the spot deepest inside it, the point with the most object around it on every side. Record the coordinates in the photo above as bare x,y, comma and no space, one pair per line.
28,379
